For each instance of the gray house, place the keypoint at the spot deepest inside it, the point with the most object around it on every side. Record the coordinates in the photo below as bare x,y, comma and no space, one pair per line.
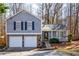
23,30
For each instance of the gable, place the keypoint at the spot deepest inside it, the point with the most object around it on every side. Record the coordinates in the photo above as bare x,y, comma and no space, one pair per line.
23,15
20,17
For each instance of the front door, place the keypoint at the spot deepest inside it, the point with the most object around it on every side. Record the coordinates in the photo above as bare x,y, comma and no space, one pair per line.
46,36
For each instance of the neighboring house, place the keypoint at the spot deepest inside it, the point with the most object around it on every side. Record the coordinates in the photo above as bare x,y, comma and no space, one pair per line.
23,30
55,31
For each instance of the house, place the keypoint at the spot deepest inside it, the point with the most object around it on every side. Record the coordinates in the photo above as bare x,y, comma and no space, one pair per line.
23,30
55,31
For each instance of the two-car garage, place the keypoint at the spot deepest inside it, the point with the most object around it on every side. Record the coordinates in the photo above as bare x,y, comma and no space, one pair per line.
22,41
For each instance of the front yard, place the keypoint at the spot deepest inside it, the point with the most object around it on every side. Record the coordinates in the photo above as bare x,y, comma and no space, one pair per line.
70,48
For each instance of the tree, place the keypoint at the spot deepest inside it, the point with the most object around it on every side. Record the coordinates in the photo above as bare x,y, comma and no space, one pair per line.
57,11
47,9
3,9
14,8
40,10
76,22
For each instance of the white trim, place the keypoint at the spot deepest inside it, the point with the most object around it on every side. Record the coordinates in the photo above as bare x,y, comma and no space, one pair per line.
46,28
56,30
23,33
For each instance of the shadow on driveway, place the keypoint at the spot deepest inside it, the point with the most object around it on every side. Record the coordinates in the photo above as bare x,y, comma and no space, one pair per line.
9,51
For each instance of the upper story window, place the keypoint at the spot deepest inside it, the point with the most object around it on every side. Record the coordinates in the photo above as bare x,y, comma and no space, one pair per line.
29,25
17,25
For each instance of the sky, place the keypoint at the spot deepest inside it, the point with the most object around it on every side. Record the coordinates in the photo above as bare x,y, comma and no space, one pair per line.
33,7
27,7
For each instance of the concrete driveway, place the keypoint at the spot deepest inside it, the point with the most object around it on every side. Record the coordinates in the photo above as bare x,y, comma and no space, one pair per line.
34,53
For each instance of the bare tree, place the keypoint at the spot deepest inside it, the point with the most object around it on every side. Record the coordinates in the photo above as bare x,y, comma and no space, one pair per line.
47,9
14,8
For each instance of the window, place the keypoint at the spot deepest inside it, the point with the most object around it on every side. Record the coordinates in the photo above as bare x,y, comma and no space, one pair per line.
29,25
25,25
33,25
17,25
54,33
21,25
14,25
63,34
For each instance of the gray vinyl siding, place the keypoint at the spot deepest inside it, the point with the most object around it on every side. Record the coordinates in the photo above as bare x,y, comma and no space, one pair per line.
24,17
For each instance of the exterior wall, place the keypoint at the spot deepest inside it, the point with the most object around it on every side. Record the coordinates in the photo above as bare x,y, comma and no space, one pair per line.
23,16
61,37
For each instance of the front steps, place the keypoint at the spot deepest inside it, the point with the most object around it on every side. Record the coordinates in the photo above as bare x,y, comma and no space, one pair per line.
47,45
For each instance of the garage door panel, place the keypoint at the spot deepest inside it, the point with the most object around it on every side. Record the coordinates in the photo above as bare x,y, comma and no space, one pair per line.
30,41
15,41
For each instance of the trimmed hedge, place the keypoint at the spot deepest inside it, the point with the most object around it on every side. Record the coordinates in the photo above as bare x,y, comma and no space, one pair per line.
54,40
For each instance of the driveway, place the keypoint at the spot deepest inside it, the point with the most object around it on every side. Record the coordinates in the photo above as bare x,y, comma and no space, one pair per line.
34,53
48,53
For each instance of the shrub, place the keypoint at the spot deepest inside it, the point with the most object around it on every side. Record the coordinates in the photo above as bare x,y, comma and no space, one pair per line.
1,47
54,40
69,37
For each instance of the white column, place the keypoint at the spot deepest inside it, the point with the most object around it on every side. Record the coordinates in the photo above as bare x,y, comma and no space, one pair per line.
51,34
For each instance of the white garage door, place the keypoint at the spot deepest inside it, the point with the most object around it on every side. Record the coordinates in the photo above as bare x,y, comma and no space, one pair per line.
15,41
30,41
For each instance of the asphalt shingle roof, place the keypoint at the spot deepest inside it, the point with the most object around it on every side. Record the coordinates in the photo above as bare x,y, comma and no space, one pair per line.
57,26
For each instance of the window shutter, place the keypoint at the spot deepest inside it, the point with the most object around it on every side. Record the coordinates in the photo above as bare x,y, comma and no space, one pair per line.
33,25
14,25
21,25
25,25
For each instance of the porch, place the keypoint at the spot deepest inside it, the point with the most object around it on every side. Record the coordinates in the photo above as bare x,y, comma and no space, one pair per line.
48,33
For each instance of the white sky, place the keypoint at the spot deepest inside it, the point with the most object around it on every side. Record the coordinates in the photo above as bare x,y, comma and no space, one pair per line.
33,7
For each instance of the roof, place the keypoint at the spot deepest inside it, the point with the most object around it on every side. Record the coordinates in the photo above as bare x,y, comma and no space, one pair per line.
46,28
59,27
20,12
54,27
